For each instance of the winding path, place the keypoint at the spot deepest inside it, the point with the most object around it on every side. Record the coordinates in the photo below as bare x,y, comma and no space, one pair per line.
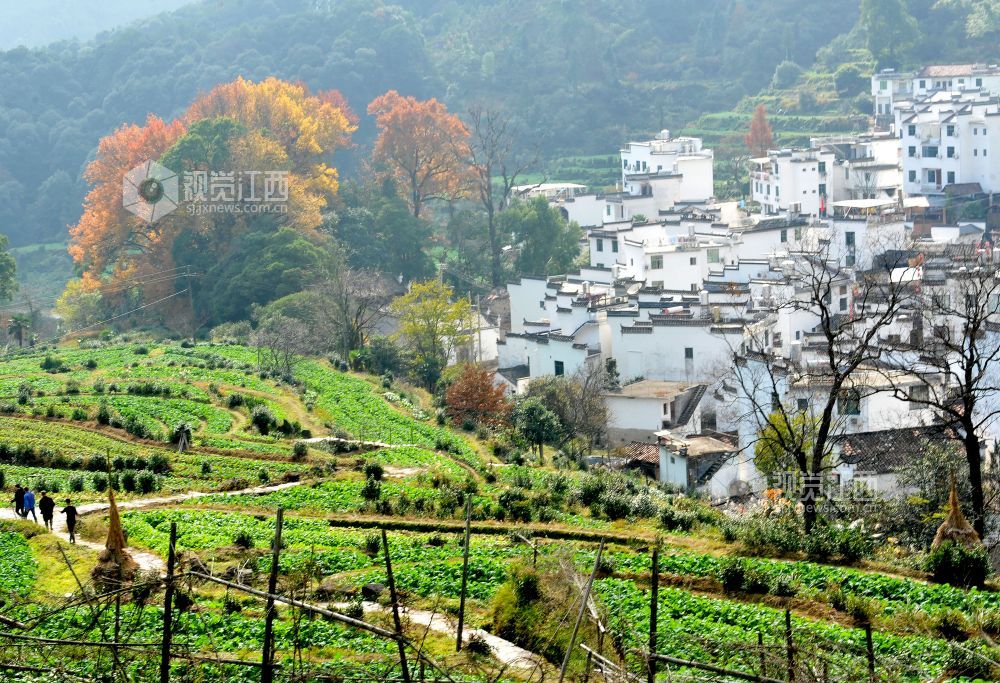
147,561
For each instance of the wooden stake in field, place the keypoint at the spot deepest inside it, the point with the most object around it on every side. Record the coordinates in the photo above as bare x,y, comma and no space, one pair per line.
579,615
465,572
168,604
654,590
114,565
267,660
395,608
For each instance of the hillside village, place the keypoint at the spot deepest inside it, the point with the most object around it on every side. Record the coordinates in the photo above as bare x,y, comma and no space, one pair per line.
500,342
708,312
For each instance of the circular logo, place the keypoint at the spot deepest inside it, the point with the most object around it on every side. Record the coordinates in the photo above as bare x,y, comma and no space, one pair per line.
151,190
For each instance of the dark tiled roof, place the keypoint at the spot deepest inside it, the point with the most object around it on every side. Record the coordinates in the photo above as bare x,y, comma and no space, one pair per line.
512,374
888,450
644,452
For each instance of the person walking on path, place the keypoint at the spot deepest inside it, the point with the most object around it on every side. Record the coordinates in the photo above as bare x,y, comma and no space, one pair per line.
18,500
46,506
71,514
29,505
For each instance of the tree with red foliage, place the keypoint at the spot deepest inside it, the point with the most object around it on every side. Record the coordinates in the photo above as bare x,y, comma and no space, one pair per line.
474,397
760,137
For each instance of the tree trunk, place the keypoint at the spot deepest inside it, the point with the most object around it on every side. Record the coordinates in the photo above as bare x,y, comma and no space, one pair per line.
491,225
808,498
974,457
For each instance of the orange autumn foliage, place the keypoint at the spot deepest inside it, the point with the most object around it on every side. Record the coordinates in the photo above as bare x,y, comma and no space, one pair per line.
285,128
759,138
423,146
475,398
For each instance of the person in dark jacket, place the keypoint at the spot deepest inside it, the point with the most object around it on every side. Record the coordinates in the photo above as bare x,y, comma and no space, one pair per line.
71,515
47,507
18,500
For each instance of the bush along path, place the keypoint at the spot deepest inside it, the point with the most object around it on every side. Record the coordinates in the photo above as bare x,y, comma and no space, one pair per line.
147,561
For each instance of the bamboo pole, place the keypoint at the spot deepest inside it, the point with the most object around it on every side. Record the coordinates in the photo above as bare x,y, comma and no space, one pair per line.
168,603
465,573
400,641
579,616
267,660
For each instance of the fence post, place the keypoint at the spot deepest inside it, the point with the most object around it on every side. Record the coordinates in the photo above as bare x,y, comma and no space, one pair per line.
654,590
579,615
395,609
790,644
168,606
870,646
763,656
267,661
465,572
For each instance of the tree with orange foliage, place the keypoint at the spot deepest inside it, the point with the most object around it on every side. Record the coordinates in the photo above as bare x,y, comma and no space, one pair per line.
474,398
423,146
759,138
236,127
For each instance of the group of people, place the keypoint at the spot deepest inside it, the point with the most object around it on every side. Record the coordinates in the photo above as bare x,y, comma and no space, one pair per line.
24,505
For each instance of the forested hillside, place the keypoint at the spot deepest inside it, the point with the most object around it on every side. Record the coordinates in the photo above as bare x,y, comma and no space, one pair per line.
581,76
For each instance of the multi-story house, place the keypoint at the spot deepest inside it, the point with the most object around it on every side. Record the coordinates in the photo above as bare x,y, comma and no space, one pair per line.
793,181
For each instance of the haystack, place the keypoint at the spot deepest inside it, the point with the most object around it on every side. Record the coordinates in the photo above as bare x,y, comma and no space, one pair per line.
955,527
114,565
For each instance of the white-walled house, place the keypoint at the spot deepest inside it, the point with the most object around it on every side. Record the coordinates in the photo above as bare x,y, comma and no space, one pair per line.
646,163
794,181
638,410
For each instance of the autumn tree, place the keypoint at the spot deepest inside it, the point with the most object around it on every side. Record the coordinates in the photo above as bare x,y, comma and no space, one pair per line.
759,138
495,168
241,128
474,398
431,325
423,146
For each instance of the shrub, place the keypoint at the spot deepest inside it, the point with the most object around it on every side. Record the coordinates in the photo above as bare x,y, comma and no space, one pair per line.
372,490
206,468
300,451
643,506
76,483
372,544
142,351
90,364
354,609
763,535
234,400
673,519
373,470
103,413
263,476
243,539
147,482
960,566
262,418
79,414
159,463
129,481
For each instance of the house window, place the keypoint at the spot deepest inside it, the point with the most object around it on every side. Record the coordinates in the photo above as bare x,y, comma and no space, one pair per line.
607,210
776,342
822,189
950,152
912,175
802,404
600,245
694,260
931,176
911,150
975,152
951,177
882,85
784,235
949,131
560,369
849,239
979,83
798,233
822,167
921,392
843,304
614,246
656,261
930,152
713,255
984,152
975,131
911,130
849,402
923,84
775,402
688,353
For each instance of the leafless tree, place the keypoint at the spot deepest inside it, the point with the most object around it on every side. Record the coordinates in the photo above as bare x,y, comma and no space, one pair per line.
956,349
351,302
578,402
850,312
279,341
492,143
